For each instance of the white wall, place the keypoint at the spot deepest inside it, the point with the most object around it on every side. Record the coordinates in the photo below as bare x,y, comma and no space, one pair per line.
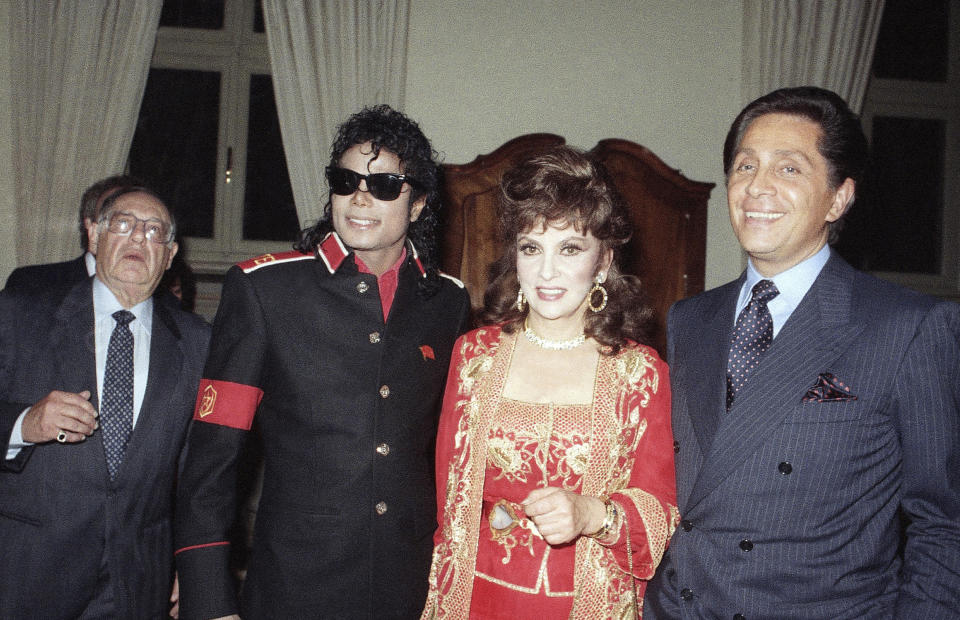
663,74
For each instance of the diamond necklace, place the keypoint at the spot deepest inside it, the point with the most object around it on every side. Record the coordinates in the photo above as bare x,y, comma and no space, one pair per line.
553,345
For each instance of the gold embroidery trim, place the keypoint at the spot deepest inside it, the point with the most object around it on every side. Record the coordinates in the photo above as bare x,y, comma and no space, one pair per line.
543,581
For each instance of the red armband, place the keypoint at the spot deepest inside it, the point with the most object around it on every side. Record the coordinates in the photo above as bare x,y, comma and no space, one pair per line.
227,403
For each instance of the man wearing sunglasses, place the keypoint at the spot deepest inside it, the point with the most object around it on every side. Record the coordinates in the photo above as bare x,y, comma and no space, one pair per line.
339,351
97,387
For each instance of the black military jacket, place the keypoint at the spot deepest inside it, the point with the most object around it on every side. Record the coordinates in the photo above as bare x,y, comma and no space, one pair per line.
347,407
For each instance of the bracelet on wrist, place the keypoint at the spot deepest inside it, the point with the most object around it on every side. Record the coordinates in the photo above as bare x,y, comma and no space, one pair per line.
609,520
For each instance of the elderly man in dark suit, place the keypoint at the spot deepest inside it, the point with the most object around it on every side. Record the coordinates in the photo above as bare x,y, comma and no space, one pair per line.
96,392
814,407
64,275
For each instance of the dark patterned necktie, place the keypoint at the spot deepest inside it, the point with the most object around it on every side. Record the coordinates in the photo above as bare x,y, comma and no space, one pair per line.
752,336
116,407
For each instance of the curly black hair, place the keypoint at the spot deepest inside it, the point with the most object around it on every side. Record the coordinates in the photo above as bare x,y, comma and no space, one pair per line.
390,130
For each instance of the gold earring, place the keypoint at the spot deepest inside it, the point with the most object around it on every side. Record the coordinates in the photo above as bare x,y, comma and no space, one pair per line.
603,304
521,302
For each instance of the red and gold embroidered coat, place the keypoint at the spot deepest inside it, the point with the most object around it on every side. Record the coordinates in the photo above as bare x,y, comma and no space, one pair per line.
630,462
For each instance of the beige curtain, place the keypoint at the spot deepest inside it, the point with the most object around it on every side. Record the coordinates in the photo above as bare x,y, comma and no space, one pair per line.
826,43
8,216
329,58
78,70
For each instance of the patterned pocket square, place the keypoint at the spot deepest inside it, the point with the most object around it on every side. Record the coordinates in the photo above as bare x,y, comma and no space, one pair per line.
828,389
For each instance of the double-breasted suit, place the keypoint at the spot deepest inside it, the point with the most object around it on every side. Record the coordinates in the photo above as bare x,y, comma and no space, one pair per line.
791,500
60,514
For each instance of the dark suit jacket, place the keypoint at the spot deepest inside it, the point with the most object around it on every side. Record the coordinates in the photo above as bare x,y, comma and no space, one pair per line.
789,505
60,514
48,276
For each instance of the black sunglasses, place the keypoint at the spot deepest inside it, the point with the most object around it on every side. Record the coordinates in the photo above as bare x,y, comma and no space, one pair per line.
381,185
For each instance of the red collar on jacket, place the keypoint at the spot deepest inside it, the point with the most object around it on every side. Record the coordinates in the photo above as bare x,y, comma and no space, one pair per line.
332,252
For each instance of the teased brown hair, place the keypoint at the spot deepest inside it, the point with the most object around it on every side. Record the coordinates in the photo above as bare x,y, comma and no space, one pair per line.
566,186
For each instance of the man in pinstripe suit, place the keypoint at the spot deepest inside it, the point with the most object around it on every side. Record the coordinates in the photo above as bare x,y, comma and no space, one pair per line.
822,478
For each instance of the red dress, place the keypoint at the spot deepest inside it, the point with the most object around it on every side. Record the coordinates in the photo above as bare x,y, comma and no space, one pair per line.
492,451
529,446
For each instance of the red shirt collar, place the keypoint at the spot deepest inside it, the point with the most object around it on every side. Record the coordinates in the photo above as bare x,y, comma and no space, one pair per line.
332,252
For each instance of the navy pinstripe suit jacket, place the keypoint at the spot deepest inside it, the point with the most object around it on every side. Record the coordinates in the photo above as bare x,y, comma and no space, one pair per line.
791,507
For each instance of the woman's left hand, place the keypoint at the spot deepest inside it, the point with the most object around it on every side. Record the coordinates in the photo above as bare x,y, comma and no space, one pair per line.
561,516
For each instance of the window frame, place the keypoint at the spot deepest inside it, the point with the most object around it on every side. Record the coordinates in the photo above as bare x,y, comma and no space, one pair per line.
937,101
236,52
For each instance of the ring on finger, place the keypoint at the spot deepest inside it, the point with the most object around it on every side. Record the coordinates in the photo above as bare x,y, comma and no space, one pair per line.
62,436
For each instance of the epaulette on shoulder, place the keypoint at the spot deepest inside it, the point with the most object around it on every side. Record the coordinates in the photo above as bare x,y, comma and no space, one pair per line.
278,258
451,278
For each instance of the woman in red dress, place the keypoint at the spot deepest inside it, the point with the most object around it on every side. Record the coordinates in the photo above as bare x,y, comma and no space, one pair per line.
555,479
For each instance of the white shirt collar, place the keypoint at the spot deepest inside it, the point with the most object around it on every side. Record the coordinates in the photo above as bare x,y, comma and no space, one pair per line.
105,303
793,285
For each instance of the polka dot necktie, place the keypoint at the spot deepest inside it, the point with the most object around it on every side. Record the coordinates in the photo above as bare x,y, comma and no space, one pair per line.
116,407
752,336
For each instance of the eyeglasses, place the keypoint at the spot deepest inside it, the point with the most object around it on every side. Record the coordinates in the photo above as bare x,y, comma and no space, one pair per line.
382,185
153,229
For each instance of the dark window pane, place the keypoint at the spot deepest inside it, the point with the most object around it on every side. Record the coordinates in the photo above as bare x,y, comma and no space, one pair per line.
269,213
258,17
898,226
913,41
174,147
205,14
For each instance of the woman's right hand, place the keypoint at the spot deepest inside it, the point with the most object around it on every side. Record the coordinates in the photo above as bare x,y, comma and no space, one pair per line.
562,516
